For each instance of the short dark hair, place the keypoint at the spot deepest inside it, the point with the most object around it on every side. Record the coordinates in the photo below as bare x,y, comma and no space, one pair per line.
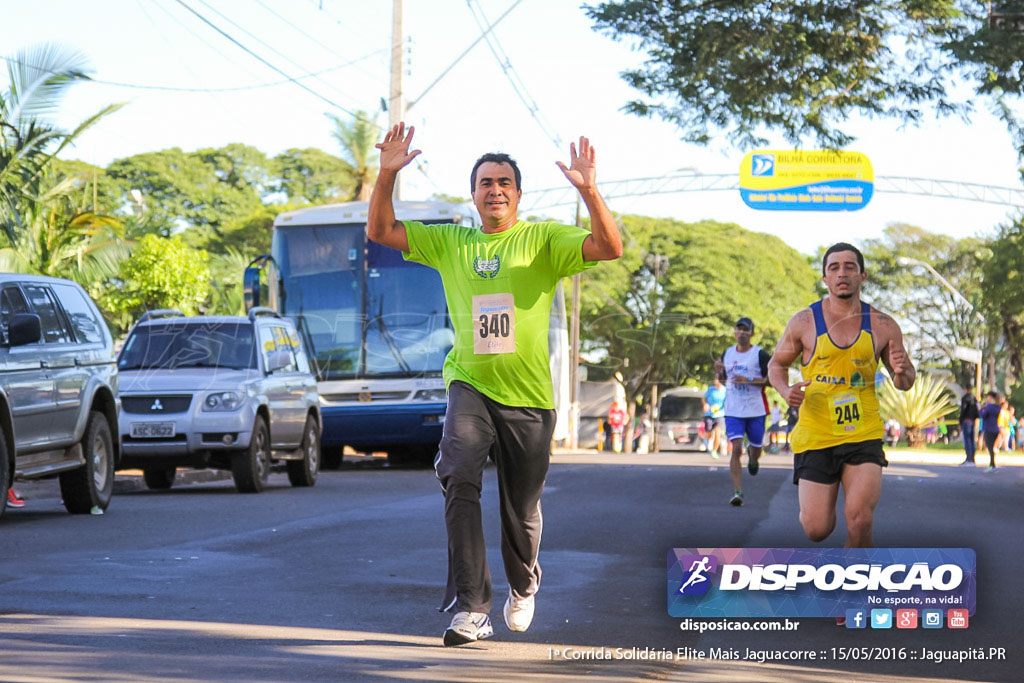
496,158
993,394
842,246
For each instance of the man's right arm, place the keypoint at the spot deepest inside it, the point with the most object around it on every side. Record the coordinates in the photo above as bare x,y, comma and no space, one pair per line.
381,225
788,350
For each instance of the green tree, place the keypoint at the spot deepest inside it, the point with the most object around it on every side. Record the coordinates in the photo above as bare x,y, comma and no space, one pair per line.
938,320
357,139
311,176
1003,291
182,190
38,80
803,67
226,272
160,273
241,167
662,313
62,236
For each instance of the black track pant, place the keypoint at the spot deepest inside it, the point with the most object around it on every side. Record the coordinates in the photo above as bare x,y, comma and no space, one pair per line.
519,442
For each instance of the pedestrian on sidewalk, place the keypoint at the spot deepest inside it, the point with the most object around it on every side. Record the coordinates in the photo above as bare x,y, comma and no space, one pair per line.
968,422
14,500
989,415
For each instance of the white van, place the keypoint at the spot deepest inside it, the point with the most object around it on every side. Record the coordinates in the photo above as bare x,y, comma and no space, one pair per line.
680,414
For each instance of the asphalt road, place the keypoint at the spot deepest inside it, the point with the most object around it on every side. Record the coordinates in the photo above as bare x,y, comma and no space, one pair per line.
341,581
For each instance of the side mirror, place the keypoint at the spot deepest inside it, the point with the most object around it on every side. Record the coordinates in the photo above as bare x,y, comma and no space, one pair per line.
251,287
24,329
277,360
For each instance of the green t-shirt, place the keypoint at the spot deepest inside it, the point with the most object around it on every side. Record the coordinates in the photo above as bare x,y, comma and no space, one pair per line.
499,289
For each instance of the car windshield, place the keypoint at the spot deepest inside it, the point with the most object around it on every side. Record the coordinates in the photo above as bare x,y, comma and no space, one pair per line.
172,345
681,408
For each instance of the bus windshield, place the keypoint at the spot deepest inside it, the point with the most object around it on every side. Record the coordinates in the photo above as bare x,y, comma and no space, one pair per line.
365,311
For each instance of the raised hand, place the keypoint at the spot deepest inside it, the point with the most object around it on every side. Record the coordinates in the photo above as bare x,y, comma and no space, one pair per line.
582,171
394,151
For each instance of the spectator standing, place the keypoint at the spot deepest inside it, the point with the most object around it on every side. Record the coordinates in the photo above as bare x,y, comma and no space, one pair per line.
617,417
968,423
989,415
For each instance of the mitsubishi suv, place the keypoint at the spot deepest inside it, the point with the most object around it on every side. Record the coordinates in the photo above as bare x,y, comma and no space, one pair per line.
225,392
58,391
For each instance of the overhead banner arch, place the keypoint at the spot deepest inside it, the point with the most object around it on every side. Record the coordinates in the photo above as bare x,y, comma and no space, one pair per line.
814,180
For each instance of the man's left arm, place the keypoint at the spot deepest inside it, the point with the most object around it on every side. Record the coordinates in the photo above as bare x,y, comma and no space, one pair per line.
894,354
763,357
604,242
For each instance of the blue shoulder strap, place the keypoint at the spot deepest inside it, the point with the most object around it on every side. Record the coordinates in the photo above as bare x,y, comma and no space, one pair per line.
819,319
865,317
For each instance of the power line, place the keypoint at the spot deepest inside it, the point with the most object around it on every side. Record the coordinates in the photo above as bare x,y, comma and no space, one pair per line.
268,46
463,54
266,63
330,49
510,73
171,88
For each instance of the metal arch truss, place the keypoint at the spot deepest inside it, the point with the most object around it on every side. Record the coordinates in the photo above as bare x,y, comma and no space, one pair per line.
713,182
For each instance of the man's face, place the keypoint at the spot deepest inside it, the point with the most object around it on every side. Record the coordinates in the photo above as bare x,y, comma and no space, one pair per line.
495,193
843,275
742,334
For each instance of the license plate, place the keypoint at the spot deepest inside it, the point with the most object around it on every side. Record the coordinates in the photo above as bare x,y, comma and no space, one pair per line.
152,430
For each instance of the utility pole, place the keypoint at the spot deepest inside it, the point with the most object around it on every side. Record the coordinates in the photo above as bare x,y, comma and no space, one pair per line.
396,109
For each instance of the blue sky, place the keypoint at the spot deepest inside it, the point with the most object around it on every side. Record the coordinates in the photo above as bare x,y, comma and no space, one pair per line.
569,71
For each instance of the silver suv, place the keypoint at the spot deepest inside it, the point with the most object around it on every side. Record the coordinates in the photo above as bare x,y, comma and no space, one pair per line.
58,391
227,392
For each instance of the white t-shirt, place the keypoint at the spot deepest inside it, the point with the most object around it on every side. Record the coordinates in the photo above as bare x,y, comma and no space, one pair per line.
745,400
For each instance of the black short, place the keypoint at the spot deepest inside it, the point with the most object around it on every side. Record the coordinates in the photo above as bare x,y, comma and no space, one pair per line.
825,465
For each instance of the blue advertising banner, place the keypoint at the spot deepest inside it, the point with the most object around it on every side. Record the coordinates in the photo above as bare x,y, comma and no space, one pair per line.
817,582
815,180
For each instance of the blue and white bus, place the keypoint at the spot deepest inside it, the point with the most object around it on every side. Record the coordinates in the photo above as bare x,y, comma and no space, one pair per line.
375,324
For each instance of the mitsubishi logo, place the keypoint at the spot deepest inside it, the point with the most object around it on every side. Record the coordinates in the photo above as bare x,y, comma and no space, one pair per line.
156,405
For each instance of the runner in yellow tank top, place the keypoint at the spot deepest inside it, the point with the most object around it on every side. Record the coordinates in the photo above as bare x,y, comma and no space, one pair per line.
838,437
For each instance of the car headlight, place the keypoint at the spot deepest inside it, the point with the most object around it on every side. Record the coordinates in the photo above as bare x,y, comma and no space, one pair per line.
430,395
223,400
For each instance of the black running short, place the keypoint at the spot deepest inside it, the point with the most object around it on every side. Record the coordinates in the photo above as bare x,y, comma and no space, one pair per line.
825,465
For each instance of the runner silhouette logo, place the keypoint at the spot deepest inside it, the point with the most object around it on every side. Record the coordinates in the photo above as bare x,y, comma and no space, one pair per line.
696,580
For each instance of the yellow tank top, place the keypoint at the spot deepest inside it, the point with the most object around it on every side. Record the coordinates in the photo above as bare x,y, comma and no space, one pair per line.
840,405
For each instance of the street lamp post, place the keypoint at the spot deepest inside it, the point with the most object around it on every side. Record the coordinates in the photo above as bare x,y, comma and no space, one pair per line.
907,261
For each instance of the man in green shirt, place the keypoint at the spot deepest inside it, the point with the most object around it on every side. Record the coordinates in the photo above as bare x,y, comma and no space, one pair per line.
499,281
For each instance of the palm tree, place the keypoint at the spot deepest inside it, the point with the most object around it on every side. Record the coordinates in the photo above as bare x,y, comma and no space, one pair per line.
924,402
357,139
61,235
38,78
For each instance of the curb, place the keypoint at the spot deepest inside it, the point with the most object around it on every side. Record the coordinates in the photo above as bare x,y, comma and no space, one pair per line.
131,480
125,481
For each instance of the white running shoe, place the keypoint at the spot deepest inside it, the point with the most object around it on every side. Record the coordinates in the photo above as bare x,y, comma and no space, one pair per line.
468,627
518,612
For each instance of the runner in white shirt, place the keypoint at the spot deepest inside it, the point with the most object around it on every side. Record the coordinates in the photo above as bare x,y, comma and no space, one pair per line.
744,367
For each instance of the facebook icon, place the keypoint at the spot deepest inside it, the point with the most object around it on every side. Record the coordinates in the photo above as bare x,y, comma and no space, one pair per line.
856,618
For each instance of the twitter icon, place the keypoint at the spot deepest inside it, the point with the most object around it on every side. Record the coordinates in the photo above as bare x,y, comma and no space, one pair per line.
881,618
